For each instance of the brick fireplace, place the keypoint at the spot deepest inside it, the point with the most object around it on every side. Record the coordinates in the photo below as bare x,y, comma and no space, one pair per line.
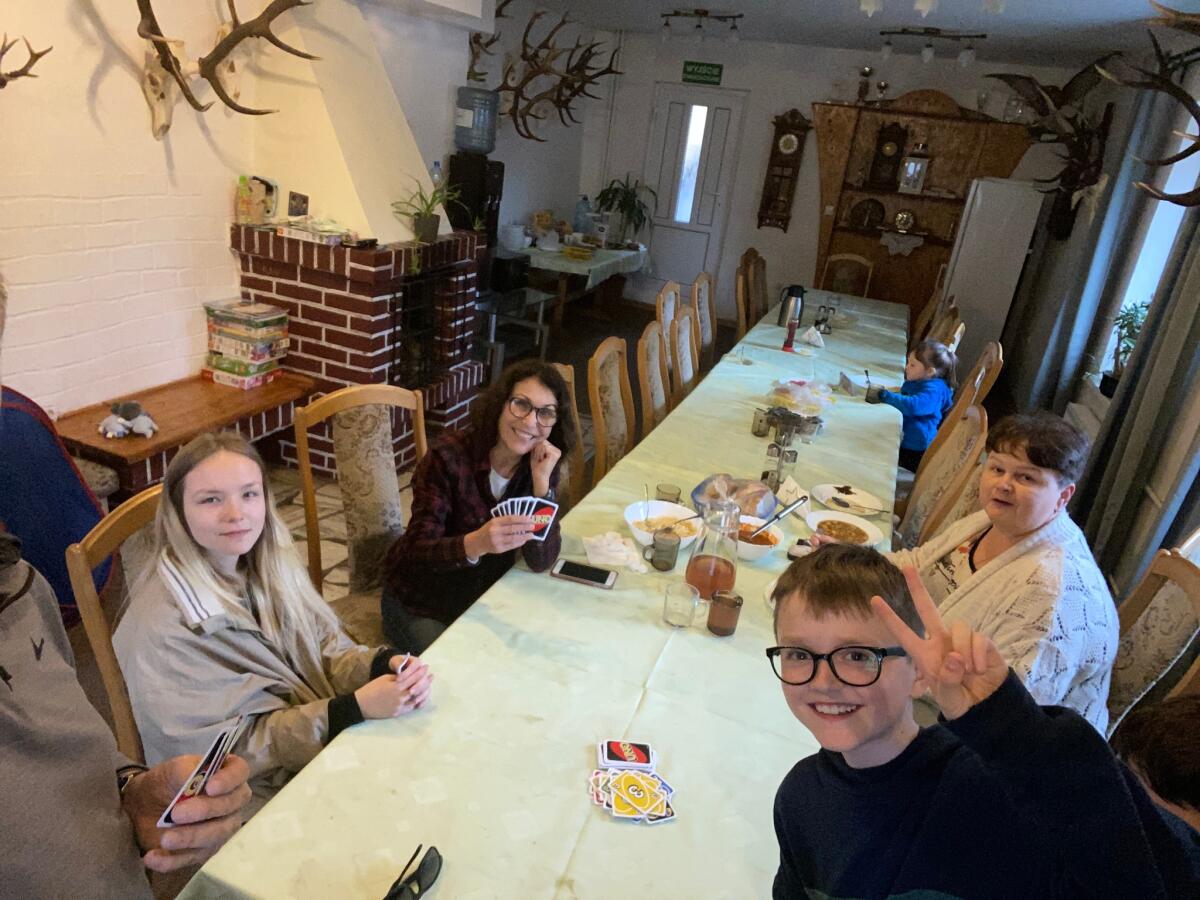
398,314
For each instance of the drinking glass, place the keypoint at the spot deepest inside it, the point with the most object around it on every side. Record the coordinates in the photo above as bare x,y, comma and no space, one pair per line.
679,605
723,613
663,550
668,492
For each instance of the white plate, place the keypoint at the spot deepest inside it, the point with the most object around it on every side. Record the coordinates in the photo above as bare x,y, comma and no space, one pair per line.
874,535
860,501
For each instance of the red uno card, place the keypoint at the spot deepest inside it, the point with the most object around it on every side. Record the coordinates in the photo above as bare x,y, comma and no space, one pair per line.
543,515
626,755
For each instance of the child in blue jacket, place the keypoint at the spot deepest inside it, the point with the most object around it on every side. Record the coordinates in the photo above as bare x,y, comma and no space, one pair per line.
930,377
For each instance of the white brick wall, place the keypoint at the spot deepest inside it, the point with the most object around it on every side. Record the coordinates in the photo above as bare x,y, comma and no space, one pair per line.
110,241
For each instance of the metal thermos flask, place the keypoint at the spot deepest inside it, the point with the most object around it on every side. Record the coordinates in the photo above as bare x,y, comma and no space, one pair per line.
791,305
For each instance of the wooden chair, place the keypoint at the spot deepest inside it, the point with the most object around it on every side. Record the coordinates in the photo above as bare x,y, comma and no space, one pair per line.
684,370
576,461
82,558
667,305
652,377
975,387
847,273
612,405
945,323
930,312
759,301
1160,623
366,467
704,309
956,338
741,285
943,473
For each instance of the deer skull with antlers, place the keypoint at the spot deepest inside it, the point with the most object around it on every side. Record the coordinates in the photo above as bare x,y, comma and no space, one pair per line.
216,67
563,74
25,70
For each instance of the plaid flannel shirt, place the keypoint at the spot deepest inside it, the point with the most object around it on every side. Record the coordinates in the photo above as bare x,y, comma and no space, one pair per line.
428,568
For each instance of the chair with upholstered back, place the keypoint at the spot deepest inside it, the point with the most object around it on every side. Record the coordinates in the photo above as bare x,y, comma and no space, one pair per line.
937,304
945,469
704,310
847,273
1160,623
975,387
952,507
685,371
366,471
652,377
759,301
99,544
667,304
945,323
571,477
956,337
612,405
741,290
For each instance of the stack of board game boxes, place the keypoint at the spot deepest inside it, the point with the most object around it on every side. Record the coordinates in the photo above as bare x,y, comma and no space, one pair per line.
246,341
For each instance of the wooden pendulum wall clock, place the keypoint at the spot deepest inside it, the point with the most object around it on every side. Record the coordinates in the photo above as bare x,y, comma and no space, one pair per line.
779,187
889,153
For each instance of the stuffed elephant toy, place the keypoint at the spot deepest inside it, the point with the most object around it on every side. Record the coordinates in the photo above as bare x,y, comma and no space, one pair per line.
114,427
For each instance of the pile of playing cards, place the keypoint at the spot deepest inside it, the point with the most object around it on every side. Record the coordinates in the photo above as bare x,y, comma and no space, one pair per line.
209,763
627,785
543,512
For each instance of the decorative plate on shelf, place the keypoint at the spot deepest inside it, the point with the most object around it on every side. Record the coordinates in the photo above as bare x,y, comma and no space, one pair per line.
867,213
905,220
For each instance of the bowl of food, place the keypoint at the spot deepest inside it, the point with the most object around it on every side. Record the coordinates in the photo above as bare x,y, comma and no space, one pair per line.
647,516
844,528
752,548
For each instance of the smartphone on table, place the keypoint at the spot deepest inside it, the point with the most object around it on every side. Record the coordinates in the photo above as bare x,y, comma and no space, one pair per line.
584,574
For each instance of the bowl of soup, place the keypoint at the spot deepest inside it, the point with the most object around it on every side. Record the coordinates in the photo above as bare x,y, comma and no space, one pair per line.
752,548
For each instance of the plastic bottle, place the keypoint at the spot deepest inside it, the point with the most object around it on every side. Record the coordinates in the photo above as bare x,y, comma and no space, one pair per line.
435,173
243,206
583,212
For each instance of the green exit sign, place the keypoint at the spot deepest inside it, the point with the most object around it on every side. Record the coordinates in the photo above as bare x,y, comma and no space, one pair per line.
701,72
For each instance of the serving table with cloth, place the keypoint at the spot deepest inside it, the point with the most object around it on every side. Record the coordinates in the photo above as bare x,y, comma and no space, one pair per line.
574,278
494,772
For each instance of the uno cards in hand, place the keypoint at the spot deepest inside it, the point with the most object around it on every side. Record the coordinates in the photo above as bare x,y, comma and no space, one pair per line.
209,763
542,511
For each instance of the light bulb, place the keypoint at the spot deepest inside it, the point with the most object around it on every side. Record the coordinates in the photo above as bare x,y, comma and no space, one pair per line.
885,52
927,53
666,30
734,34
870,7
698,32
925,7
967,56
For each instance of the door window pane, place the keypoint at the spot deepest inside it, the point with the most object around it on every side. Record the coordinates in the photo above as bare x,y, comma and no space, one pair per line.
690,168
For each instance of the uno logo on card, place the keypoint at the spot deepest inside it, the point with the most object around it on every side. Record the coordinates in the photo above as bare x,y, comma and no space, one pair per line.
542,518
628,752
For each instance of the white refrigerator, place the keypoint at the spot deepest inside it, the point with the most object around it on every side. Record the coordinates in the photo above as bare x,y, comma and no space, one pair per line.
989,254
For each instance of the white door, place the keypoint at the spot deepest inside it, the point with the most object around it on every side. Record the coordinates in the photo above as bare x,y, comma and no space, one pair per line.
690,163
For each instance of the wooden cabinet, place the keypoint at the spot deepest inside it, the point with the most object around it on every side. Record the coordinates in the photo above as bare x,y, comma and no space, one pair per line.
962,145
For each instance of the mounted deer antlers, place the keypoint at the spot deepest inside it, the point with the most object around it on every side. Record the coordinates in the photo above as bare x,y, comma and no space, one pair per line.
481,46
570,81
24,71
209,68
1161,81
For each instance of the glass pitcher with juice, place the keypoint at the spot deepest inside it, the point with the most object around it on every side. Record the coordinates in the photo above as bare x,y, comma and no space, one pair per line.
713,566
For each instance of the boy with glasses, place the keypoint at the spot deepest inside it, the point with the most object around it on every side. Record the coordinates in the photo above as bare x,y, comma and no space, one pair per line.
1003,798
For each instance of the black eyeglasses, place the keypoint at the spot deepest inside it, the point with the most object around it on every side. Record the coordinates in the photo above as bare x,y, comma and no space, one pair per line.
520,407
855,666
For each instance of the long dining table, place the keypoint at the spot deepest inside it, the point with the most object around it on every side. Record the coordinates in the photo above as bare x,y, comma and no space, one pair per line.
494,771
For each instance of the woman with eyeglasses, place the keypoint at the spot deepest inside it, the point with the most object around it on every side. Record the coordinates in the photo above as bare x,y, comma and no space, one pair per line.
453,548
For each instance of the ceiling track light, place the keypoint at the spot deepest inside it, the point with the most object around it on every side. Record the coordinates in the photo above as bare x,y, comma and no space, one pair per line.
701,17
931,35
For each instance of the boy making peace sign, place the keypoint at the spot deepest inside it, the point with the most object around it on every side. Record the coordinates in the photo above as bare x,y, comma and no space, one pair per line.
1002,798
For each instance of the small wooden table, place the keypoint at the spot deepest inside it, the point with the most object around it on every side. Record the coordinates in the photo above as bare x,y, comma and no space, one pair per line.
182,409
593,275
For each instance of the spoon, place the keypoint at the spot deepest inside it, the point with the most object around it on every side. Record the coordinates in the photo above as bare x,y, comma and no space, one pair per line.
775,518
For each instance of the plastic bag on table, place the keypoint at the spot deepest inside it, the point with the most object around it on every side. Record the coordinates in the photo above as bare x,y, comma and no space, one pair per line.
808,397
752,497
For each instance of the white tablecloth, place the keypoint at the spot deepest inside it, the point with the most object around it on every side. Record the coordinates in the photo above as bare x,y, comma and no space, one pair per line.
494,771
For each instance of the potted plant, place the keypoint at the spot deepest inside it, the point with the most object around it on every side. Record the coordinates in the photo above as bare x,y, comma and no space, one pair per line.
625,198
1128,323
422,208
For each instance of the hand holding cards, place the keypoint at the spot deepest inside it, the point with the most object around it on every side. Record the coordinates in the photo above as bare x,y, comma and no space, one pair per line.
541,511
209,763
627,785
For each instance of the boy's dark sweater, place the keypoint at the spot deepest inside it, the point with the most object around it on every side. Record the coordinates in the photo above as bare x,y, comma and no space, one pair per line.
1009,800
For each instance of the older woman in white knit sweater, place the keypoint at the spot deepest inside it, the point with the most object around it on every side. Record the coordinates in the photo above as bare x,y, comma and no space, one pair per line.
1021,572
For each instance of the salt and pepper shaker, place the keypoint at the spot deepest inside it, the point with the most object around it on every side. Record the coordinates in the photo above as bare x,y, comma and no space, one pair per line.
770,474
